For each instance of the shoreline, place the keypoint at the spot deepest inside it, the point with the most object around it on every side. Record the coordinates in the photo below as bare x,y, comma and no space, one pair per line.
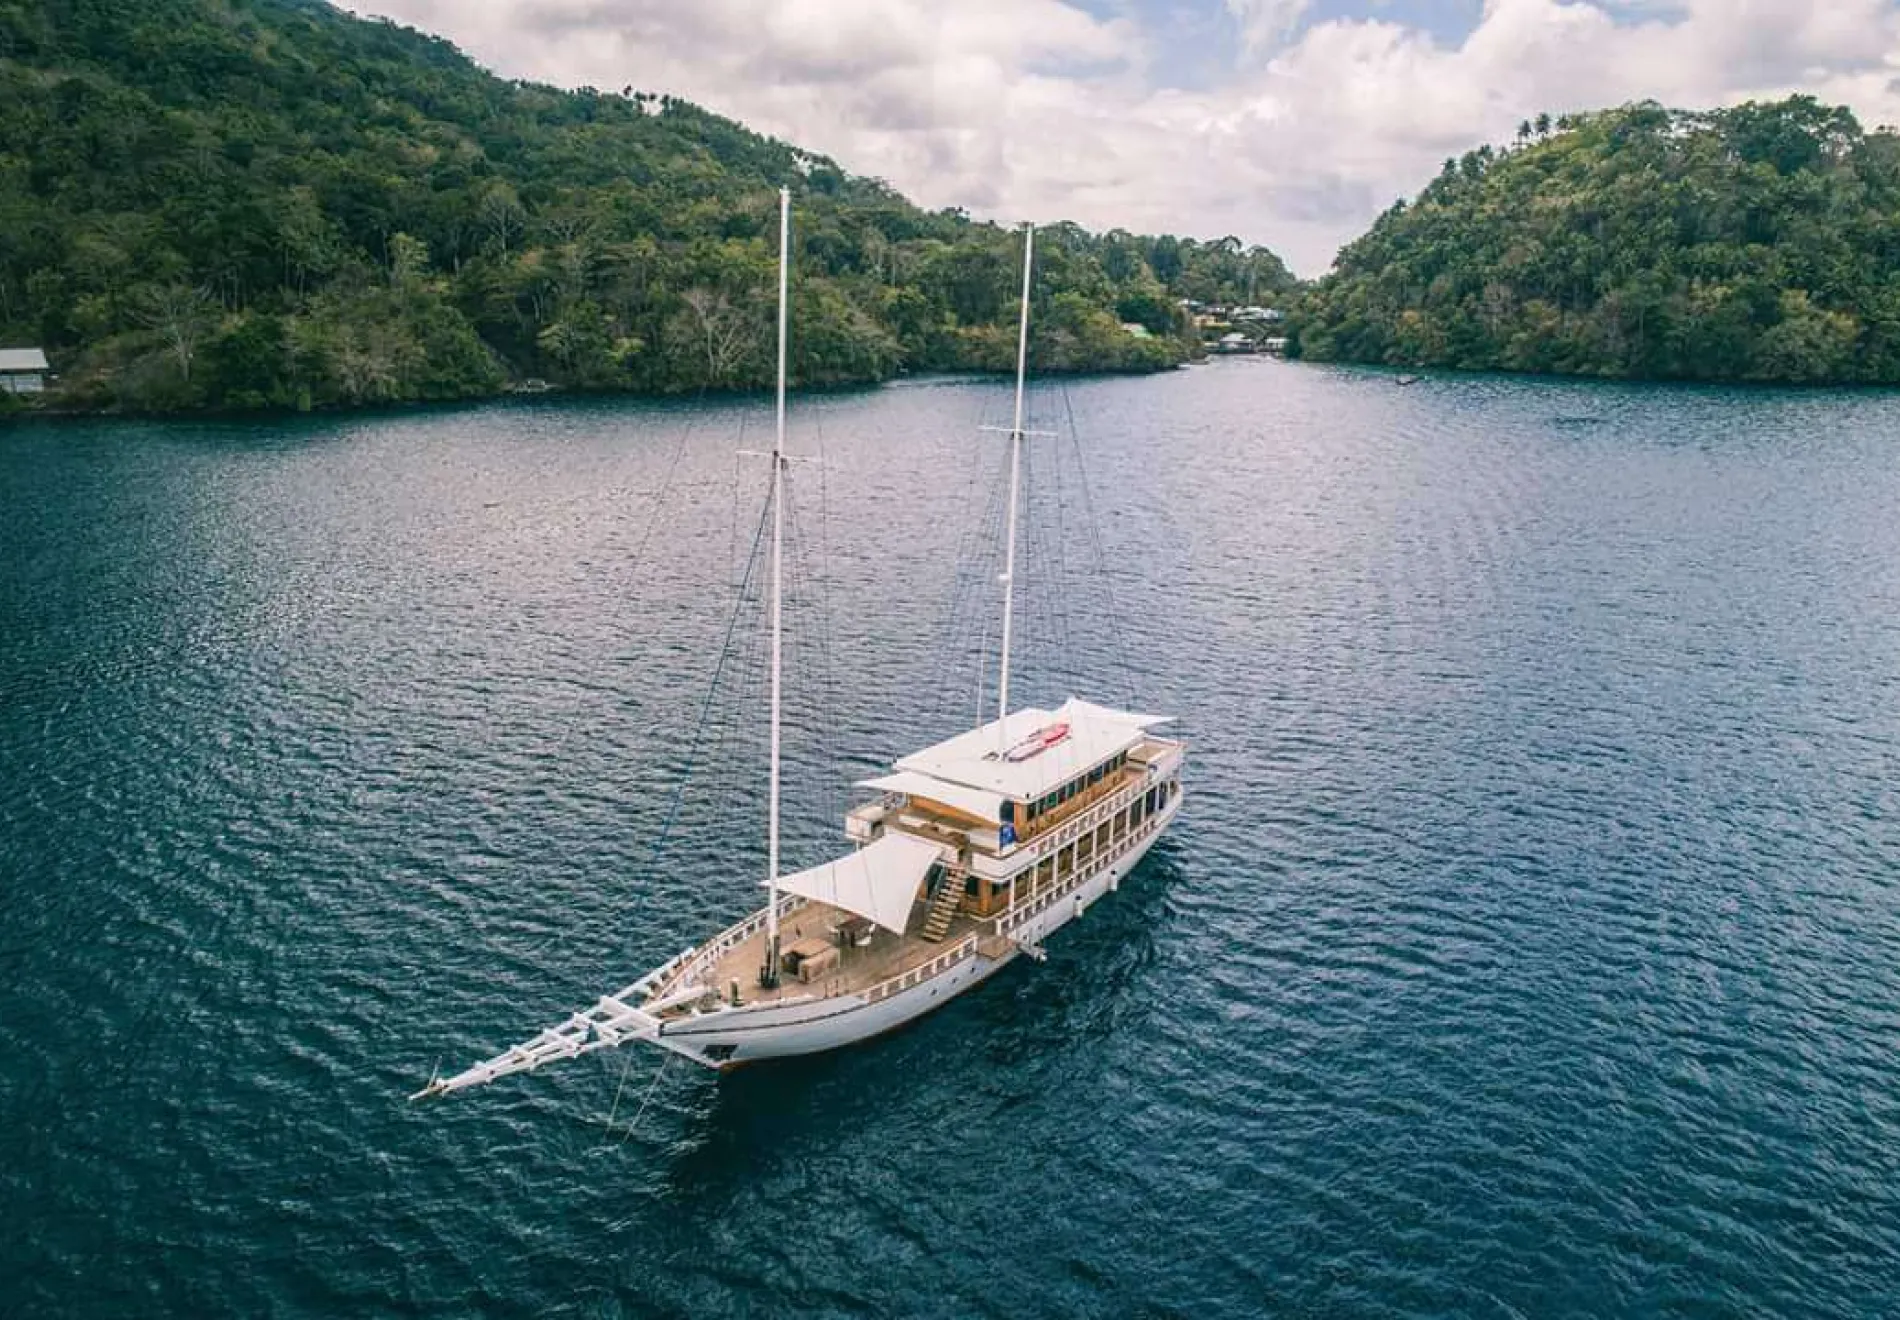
30,413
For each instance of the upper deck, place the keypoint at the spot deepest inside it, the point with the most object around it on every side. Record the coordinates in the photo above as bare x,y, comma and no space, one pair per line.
998,847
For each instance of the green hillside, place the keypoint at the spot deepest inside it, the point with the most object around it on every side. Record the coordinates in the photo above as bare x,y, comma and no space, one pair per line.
1755,243
268,203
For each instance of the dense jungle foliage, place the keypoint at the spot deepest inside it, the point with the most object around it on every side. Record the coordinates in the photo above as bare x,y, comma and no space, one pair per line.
268,203
1755,243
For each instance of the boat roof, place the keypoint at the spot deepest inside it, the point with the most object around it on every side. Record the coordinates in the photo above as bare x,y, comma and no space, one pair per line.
978,802
971,760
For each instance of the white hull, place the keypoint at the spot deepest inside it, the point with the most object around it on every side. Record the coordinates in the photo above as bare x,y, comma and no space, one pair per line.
728,1037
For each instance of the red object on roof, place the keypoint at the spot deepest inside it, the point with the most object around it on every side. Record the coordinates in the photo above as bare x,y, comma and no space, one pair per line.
1037,743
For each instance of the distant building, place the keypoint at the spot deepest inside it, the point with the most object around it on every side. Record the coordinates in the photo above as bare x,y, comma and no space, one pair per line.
1266,314
22,370
1233,343
1137,329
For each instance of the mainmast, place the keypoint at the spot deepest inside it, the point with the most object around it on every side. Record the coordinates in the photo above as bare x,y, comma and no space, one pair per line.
768,975
1015,473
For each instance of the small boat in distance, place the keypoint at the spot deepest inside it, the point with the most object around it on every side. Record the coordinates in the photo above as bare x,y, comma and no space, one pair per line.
970,853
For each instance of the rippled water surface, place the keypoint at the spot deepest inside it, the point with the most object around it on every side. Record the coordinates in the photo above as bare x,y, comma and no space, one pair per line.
1529,944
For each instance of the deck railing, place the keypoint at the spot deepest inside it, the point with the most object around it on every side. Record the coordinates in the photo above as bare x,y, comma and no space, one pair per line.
1014,918
1042,902
922,972
696,962
1061,836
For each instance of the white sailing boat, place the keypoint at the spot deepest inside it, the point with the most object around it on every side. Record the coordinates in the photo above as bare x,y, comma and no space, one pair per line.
971,853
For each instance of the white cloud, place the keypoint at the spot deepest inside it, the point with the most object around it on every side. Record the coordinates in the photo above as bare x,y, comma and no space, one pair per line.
1264,23
1040,109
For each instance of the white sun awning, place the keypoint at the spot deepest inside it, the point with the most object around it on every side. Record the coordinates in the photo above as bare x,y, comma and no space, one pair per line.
977,802
878,882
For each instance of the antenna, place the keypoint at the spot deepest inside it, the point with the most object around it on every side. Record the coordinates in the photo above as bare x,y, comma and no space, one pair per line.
1015,479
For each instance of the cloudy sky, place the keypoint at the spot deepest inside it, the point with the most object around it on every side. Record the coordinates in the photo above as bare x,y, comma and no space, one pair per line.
1286,122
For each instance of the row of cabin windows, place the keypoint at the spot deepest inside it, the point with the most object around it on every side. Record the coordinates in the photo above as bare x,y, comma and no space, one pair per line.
1049,803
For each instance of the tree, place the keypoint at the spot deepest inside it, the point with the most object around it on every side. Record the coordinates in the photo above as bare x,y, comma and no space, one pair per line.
1745,243
721,330
181,317
282,205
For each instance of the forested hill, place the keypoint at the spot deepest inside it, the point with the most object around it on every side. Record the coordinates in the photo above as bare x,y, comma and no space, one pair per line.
245,203
1755,243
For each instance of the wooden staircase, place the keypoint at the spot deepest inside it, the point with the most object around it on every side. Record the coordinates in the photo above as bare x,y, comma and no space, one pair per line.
943,907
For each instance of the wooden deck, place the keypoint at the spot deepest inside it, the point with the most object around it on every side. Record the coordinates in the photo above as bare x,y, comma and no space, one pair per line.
856,971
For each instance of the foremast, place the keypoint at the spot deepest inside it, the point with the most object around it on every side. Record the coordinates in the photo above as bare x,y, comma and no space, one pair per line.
631,1015
768,974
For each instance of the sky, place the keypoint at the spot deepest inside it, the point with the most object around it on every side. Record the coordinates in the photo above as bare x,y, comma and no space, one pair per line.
1290,123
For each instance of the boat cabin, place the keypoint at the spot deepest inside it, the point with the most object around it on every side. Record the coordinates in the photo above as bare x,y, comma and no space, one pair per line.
990,795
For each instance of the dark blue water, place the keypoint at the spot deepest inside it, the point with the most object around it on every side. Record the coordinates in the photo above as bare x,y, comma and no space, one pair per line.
1529,946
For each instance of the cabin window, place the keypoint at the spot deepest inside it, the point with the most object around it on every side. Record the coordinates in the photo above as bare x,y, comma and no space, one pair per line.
1009,812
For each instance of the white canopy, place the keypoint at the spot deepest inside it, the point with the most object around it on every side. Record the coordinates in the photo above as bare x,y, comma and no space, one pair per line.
985,806
1095,734
879,881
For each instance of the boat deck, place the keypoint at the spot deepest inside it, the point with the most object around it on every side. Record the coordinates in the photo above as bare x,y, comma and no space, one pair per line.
857,969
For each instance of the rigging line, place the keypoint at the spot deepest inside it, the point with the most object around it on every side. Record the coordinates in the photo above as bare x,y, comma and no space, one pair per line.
814,651
1031,564
728,790
986,621
950,614
968,605
797,662
666,486
640,1113
967,573
732,542
1043,585
1032,609
952,624
1065,586
822,575
712,688
573,719
615,1109
979,561
1047,585
1112,606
